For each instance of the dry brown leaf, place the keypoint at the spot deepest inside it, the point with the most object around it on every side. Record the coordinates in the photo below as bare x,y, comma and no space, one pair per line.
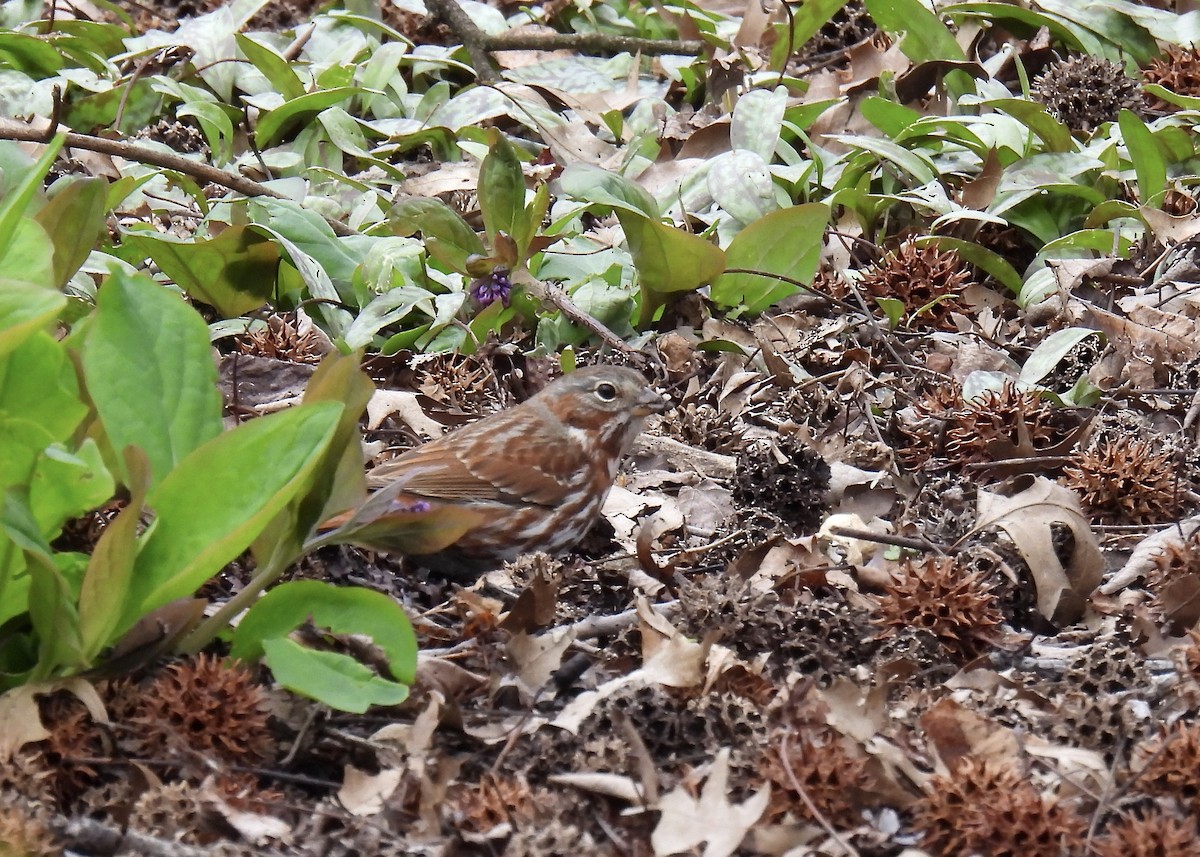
611,785
686,821
364,794
535,659
1028,517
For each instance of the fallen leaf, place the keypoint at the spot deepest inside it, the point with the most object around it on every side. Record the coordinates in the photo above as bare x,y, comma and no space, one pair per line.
687,821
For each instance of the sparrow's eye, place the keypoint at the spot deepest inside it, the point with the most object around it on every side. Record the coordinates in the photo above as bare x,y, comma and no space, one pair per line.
606,392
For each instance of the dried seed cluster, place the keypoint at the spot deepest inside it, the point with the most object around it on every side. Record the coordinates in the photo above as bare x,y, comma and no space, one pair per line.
1084,92
927,281
940,596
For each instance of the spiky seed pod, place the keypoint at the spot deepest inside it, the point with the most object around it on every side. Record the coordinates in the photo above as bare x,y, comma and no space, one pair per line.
1152,833
925,280
945,599
285,337
986,806
923,424
1084,92
75,740
825,766
1127,480
1170,765
704,426
496,799
189,707
789,480
1178,70
1010,423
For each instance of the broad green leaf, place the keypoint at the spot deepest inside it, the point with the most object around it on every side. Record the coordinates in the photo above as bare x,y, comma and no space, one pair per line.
386,309
273,123
234,272
66,484
923,36
50,599
218,499
893,309
166,401
1052,350
502,190
337,680
74,219
1053,133
448,238
1084,242
273,66
1148,162
740,182
30,54
106,583
339,609
1113,26
38,385
1076,37
915,164
757,118
667,260
25,308
786,242
595,185
888,116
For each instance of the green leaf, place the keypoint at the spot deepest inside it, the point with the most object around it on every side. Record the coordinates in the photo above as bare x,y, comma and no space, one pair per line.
234,272
916,165
981,257
74,218
502,190
273,123
756,122
1148,162
25,308
218,499
339,609
386,309
924,37
1033,115
893,308
273,67
595,185
786,242
448,238
809,17
1050,351
38,385
667,260
337,680
106,583
166,401
66,484
17,203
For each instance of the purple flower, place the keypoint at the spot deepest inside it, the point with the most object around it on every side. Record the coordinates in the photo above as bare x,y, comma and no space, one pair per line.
494,287
416,506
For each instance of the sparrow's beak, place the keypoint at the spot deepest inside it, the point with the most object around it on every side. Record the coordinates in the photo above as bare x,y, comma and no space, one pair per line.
649,402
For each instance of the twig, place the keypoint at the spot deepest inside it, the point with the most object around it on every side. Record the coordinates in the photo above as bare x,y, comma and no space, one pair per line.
559,299
93,837
887,539
479,44
19,131
785,759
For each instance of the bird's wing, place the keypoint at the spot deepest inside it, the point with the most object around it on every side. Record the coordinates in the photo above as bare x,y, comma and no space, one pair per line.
507,460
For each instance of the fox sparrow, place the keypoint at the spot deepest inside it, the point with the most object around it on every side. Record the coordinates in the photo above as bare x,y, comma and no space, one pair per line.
529,478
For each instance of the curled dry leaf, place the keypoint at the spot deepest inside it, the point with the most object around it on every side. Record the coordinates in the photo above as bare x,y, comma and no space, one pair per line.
1029,517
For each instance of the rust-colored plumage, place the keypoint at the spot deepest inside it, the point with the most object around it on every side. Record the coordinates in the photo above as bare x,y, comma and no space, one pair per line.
530,478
